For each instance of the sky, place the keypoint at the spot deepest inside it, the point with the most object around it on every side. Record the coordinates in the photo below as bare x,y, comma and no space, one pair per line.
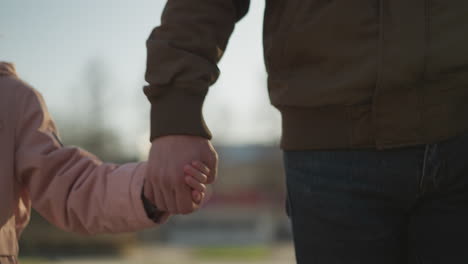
54,42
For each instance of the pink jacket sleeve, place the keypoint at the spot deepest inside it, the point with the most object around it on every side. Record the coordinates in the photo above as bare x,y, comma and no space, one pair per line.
70,187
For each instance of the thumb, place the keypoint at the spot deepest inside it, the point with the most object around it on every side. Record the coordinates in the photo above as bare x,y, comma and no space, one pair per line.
212,164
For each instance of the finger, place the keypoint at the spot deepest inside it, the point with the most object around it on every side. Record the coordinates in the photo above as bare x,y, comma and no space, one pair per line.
150,194
185,205
169,198
196,197
159,200
212,176
202,199
194,184
201,167
212,163
199,176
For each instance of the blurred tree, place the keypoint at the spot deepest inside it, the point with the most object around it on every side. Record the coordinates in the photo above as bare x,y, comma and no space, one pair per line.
88,127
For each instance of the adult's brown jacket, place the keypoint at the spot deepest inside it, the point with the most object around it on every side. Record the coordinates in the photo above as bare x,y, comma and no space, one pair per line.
344,74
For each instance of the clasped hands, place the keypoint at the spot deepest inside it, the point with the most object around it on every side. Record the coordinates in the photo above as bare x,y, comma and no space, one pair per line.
179,167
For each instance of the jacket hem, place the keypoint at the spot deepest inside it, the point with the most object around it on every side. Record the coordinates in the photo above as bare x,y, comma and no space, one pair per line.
345,127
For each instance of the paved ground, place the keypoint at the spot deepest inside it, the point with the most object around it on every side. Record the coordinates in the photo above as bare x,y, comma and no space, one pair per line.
280,254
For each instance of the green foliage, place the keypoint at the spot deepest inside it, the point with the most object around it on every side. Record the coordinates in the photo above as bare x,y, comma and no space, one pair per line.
41,239
233,253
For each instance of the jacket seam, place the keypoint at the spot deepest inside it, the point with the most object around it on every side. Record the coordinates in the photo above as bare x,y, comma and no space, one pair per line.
420,96
379,77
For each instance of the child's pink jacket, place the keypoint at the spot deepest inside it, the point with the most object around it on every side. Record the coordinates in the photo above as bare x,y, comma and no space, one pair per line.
68,186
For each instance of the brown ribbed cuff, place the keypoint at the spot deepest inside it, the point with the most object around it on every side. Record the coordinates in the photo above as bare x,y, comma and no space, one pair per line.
178,113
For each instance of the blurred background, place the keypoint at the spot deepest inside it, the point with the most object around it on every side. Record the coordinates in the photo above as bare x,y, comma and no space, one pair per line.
88,60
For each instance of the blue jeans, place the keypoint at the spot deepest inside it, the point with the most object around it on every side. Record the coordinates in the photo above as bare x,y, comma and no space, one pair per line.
407,205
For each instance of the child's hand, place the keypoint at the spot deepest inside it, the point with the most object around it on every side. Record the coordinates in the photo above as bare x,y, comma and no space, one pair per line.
196,175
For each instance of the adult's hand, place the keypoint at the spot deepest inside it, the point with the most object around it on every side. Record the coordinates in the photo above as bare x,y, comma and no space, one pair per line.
168,157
